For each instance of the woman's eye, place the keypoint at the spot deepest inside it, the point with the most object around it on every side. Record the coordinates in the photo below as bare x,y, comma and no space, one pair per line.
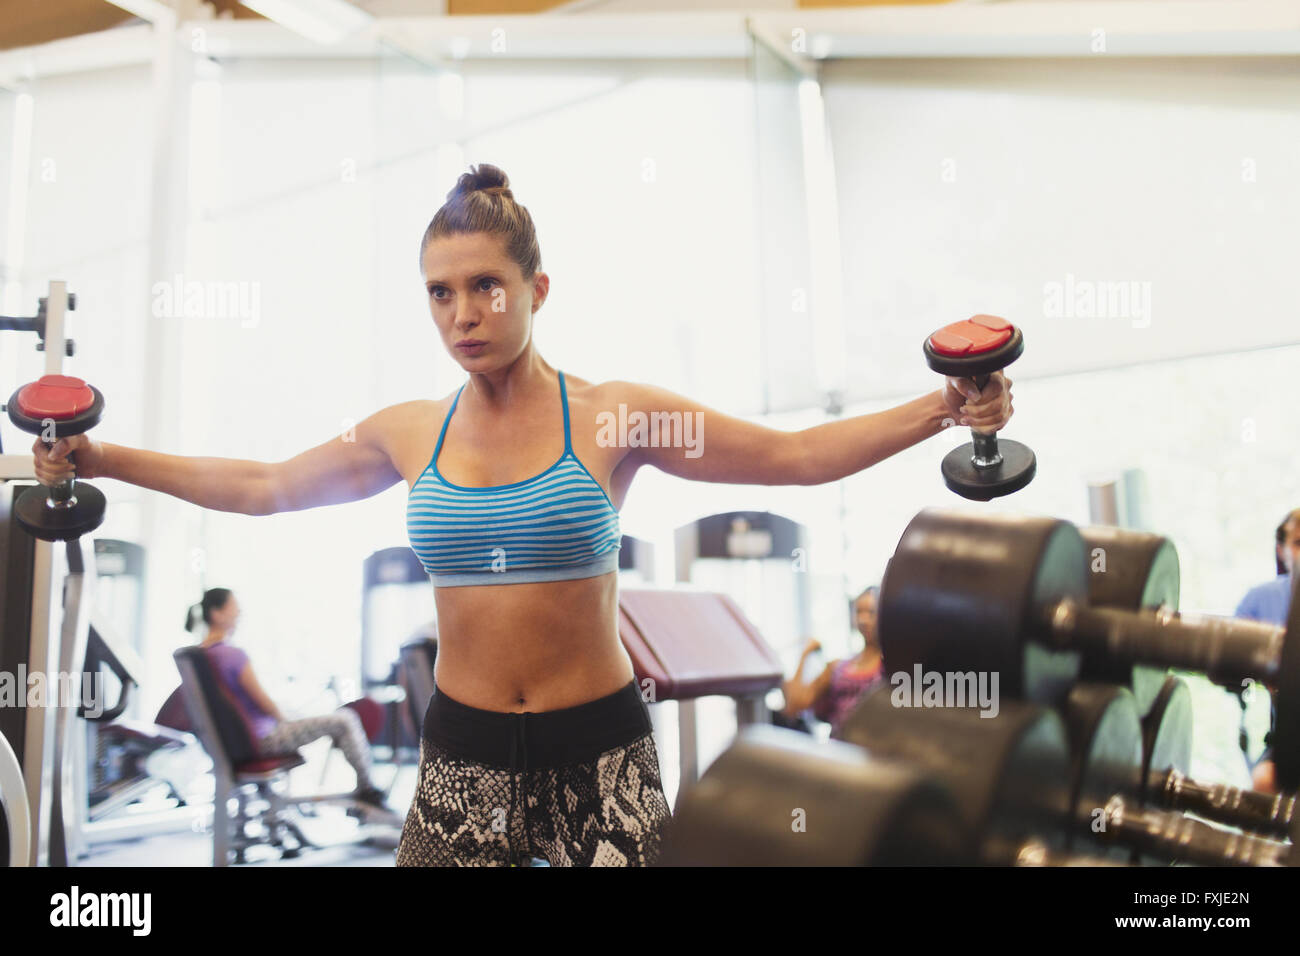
490,282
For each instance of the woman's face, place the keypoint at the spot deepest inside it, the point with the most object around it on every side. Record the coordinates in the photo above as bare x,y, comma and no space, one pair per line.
1290,549
866,609
227,616
479,300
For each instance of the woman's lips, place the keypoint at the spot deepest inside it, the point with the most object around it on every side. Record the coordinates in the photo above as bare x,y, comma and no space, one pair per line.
471,347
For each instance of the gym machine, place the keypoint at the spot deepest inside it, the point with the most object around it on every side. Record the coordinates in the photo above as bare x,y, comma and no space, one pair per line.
691,644
47,567
396,601
15,828
133,778
749,556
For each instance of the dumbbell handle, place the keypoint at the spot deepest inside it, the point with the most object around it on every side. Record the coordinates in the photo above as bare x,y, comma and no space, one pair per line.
1270,813
1225,650
60,494
985,443
1172,836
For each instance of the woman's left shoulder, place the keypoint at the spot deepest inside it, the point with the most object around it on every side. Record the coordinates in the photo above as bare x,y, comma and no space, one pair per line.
603,395
612,393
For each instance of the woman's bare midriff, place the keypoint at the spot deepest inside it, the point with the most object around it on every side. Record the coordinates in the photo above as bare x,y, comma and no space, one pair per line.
519,648
531,647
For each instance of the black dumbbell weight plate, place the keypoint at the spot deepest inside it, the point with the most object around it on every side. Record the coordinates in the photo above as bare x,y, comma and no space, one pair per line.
1167,731
1105,753
60,524
963,477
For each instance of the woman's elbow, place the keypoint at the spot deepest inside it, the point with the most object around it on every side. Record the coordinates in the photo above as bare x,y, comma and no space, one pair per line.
261,496
802,465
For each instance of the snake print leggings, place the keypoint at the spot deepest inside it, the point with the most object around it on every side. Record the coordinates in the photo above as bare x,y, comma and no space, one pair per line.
343,727
576,787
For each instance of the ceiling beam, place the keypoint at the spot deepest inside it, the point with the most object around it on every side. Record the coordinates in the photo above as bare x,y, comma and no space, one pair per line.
487,7
29,22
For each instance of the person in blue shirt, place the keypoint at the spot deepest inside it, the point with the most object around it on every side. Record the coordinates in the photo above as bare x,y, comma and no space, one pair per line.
1271,602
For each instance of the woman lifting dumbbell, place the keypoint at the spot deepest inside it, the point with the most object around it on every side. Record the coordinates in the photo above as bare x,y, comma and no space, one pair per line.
537,741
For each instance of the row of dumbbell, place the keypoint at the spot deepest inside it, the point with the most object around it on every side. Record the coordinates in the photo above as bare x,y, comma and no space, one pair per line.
1101,776
1092,784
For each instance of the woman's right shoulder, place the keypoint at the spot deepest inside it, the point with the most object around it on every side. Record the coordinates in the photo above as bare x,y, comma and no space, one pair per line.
417,407
399,419
407,431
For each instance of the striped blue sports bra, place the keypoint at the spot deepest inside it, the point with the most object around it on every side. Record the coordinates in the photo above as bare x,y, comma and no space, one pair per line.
556,526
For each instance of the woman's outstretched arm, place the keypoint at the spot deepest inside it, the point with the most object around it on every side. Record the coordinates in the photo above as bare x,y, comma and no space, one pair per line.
349,467
685,439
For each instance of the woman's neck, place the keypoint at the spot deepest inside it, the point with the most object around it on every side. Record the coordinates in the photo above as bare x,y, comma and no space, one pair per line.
213,637
528,374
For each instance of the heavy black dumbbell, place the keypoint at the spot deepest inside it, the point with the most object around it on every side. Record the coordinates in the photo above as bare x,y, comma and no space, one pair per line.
1106,748
1131,570
1166,759
777,798
975,348
1024,778
1007,772
1008,595
54,407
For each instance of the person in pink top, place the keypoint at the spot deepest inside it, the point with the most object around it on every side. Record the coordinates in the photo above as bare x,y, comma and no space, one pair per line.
841,684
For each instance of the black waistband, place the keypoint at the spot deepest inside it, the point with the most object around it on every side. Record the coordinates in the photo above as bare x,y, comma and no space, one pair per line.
527,741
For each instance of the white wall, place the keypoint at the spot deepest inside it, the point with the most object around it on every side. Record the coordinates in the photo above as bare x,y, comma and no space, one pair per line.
1103,169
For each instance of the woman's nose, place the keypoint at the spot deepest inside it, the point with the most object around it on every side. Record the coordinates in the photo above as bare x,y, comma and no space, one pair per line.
466,314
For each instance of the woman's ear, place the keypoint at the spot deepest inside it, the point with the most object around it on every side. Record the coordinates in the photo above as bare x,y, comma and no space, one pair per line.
541,288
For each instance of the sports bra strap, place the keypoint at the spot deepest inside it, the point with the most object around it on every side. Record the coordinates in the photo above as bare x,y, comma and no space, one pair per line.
564,400
451,411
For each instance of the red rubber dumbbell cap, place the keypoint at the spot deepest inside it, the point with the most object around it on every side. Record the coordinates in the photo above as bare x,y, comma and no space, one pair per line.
56,397
979,333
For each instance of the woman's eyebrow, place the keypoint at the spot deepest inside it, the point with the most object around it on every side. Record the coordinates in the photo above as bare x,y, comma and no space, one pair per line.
473,278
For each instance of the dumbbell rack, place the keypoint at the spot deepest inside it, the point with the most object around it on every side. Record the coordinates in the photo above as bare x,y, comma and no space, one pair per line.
1072,767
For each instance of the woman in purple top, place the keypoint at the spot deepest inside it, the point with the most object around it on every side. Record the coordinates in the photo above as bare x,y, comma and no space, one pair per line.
275,735
841,683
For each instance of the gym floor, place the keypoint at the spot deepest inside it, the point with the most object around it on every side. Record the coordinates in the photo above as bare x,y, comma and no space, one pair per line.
334,834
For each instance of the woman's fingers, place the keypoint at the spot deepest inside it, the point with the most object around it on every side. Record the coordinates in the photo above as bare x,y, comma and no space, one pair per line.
51,465
993,408
965,387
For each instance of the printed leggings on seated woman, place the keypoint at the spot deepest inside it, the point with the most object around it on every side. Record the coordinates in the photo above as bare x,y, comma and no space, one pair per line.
343,726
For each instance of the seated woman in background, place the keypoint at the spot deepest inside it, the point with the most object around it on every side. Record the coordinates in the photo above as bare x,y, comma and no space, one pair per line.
841,683
275,735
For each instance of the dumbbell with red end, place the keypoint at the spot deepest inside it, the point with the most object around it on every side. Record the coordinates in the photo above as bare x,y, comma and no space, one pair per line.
976,348
54,407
